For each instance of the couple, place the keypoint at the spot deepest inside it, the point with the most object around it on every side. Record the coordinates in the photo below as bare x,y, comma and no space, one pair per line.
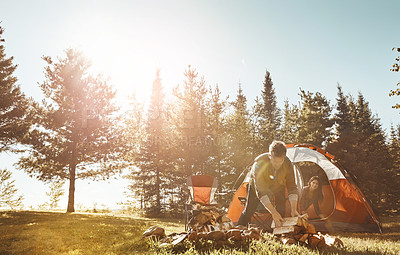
270,174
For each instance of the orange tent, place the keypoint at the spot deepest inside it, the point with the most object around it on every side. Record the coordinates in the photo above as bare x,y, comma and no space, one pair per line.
344,205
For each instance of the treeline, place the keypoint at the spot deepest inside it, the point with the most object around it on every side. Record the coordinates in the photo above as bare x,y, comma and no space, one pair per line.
200,132
78,131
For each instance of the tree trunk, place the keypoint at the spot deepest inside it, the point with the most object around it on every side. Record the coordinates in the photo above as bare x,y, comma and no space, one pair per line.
71,195
158,209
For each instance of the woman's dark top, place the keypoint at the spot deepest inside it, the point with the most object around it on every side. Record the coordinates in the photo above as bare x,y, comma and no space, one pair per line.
306,201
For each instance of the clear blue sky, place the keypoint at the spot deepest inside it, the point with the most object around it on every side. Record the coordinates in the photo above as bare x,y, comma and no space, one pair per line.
309,44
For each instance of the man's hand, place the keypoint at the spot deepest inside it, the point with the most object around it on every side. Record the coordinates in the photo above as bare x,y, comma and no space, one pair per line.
277,219
295,213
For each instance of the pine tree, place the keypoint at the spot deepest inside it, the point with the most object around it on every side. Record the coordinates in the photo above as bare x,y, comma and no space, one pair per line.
135,126
8,192
344,140
393,175
189,127
396,68
13,104
315,119
267,116
154,160
373,155
239,138
55,193
75,134
190,120
217,145
289,131
360,146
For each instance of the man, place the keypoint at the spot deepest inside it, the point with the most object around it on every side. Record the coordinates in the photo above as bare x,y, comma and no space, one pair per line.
271,173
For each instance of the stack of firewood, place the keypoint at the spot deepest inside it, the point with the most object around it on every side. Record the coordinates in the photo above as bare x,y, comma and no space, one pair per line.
220,238
207,224
297,230
211,226
208,218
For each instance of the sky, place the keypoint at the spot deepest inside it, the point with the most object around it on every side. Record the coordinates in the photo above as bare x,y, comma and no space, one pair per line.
312,45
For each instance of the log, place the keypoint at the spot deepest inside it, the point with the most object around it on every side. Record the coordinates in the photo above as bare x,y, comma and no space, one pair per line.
290,221
216,235
179,238
287,230
155,231
311,229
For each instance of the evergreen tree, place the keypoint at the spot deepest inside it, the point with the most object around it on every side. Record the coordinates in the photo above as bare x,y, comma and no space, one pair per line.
189,133
393,175
8,192
239,138
360,146
13,104
153,161
373,155
135,126
190,120
55,193
267,117
344,141
217,146
396,68
75,134
315,119
289,131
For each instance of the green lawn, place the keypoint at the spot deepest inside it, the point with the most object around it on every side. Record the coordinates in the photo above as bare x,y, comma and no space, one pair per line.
32,232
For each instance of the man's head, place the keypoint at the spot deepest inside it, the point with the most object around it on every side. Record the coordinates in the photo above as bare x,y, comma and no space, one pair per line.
277,149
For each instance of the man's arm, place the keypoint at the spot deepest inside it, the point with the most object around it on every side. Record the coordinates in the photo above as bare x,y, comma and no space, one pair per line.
292,191
263,192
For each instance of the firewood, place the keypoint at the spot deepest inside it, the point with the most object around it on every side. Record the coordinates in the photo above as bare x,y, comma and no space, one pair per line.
165,245
311,229
254,234
201,235
332,241
216,235
154,238
202,218
179,238
338,242
233,234
193,236
289,221
288,240
303,238
298,236
304,222
224,218
314,241
283,230
287,230
154,230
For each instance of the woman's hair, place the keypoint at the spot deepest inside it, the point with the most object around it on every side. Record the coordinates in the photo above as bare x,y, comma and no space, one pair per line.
318,193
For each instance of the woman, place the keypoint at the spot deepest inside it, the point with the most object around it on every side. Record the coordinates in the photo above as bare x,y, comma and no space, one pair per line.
312,194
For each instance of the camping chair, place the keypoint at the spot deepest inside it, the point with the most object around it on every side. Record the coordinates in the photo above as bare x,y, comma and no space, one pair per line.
202,189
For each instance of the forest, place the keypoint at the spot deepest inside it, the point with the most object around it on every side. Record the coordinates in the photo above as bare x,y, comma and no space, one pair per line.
78,131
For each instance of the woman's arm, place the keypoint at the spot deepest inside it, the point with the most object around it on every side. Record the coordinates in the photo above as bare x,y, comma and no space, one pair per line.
316,207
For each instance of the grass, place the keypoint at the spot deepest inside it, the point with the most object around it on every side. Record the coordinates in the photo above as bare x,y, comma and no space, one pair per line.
30,232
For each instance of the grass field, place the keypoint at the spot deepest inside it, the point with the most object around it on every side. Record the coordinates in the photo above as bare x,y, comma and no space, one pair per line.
30,232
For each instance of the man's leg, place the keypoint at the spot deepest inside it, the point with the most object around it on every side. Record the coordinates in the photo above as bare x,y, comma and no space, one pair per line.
251,206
